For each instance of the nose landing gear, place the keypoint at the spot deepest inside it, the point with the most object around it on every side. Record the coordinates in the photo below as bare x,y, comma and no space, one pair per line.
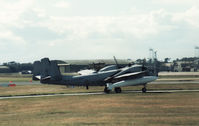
106,90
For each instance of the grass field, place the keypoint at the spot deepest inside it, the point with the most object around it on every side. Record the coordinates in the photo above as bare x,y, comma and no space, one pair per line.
16,77
128,109
132,109
138,109
46,89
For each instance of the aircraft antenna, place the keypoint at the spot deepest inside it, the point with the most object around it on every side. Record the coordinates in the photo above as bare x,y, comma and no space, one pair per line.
153,60
197,51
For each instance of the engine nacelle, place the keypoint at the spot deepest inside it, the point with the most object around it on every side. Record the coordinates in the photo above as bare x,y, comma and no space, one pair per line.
134,82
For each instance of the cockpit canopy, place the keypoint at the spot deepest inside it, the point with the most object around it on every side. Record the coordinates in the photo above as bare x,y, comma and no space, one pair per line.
107,68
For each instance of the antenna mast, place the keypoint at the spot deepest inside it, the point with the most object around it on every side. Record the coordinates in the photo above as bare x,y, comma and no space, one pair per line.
196,51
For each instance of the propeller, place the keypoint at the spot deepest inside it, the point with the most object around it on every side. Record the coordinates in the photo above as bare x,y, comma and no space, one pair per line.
116,62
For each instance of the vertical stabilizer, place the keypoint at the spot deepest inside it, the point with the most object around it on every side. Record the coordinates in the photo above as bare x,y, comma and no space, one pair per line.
45,68
54,71
46,71
50,69
36,70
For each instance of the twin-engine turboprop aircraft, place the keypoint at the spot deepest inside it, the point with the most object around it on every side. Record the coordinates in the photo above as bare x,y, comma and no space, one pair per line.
111,76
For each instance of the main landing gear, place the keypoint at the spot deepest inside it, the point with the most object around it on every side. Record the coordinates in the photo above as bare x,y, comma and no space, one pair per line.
144,89
117,90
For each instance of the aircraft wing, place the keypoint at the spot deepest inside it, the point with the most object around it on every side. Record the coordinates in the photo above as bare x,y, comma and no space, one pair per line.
126,76
86,72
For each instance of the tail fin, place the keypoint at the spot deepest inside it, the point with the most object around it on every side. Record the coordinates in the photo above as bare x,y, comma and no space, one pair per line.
47,69
36,70
50,68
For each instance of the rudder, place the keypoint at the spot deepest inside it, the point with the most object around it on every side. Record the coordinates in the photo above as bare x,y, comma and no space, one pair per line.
50,69
36,70
46,70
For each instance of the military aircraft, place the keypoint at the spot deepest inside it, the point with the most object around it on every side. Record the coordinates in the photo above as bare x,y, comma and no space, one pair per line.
112,77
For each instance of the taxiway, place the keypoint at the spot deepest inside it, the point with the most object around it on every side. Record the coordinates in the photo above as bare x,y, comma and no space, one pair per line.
94,93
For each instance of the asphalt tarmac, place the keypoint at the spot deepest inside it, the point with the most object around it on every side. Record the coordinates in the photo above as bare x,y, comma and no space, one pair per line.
154,82
100,93
176,82
95,93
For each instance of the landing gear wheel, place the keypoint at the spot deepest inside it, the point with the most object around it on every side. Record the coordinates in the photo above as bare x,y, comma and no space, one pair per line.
87,87
144,90
106,90
118,90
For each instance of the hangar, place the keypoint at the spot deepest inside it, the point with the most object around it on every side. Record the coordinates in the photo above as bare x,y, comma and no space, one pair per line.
4,69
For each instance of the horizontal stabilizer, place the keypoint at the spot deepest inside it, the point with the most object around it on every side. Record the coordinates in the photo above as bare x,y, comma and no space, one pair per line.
46,78
38,77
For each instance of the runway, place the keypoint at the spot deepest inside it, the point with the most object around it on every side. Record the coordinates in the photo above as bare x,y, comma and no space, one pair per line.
175,82
19,83
94,93
155,82
49,95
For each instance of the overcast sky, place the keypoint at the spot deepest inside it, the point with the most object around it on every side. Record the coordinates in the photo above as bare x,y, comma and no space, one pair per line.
97,29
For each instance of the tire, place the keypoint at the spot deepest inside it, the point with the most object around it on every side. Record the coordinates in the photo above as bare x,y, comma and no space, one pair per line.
144,90
118,90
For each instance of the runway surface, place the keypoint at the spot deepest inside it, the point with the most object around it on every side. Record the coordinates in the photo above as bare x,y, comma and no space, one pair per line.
95,93
175,82
155,82
20,83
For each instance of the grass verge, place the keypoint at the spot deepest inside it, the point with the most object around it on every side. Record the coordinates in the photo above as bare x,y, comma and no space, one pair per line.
132,109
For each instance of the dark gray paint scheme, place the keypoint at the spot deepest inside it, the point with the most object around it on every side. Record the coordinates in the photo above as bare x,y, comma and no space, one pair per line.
107,76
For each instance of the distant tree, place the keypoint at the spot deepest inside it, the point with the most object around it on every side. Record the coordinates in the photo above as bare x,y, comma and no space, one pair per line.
26,66
166,60
17,67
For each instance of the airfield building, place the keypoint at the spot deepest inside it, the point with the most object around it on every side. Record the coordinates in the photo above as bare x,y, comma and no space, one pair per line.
4,69
186,65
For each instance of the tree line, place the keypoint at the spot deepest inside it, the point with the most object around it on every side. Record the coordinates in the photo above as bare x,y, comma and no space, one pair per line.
18,67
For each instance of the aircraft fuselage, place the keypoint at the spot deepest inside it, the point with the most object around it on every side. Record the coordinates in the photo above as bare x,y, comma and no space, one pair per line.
95,79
